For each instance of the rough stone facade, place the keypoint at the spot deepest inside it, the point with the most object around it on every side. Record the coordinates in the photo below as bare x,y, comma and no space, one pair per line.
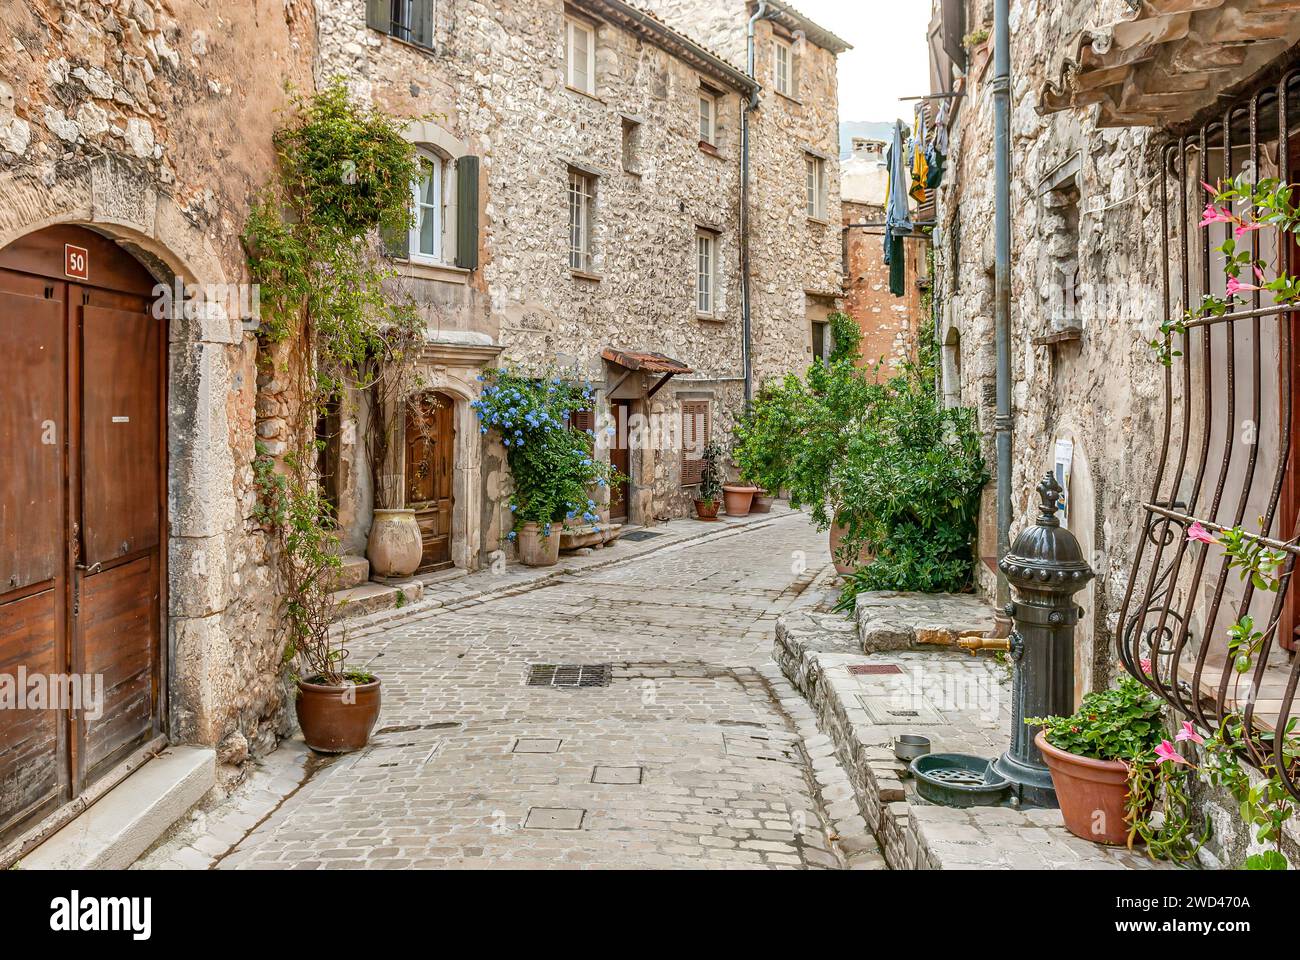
1087,389
150,123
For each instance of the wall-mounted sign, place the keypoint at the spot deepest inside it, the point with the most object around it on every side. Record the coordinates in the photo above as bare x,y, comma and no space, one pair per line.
76,262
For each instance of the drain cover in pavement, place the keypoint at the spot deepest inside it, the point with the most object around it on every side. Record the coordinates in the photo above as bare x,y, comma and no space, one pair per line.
570,675
638,535
553,818
874,669
616,775
535,745
886,710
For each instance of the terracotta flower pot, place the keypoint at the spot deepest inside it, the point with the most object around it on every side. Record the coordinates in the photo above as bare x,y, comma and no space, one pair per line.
536,550
337,719
762,502
396,545
864,557
1092,793
707,509
739,499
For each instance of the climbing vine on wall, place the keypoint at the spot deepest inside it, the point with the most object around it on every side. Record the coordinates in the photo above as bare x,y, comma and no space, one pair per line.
332,326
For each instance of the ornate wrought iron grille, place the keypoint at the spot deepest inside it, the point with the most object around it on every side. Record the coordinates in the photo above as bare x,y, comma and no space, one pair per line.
1226,458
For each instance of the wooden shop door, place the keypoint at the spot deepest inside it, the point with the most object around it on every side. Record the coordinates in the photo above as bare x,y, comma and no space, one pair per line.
430,463
620,457
81,513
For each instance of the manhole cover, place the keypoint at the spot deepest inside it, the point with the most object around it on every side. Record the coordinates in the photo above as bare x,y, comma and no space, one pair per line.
874,669
638,535
889,709
570,675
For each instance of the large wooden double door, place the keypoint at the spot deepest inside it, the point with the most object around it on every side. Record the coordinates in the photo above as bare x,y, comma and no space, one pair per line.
430,462
81,516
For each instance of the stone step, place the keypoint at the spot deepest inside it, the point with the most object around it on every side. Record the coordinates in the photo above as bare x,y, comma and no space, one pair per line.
374,597
128,819
354,572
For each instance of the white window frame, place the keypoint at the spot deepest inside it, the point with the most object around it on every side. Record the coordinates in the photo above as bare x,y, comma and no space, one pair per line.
816,186
423,209
708,118
783,68
706,273
582,203
586,81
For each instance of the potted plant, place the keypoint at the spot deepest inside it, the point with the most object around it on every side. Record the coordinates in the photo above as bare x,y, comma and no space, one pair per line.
706,502
739,498
1092,753
761,443
555,467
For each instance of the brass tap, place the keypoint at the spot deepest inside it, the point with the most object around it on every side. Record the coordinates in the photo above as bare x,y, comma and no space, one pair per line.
976,641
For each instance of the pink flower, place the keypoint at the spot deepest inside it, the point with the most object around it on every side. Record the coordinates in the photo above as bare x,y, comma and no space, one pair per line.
1210,189
1235,286
1187,733
1199,533
1168,754
1246,228
1215,214
1145,664
1259,274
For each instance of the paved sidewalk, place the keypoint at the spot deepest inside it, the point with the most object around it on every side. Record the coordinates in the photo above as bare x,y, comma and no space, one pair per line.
697,754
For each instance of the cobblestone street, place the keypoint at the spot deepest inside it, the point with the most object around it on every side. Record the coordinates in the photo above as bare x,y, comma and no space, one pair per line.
697,754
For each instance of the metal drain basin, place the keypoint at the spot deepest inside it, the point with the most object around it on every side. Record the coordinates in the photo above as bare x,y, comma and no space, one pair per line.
958,780
569,675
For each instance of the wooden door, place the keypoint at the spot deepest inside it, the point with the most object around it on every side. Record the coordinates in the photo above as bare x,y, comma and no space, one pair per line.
430,462
620,457
81,515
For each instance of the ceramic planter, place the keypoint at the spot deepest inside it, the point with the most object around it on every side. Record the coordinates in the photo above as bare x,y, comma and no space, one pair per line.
707,509
865,557
762,502
1092,794
337,719
739,499
395,546
536,550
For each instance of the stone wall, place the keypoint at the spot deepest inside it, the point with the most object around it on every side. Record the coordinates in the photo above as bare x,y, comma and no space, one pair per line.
151,122
889,324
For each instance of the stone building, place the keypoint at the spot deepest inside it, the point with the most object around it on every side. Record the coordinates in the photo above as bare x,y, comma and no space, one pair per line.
1117,115
889,324
133,135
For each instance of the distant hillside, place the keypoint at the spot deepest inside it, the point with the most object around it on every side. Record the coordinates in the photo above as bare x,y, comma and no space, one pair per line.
862,128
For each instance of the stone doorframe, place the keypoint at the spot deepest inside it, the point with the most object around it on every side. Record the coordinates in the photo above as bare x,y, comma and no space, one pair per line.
109,197
453,369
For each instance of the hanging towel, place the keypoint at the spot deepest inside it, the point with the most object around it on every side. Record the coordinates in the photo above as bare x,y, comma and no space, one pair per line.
898,219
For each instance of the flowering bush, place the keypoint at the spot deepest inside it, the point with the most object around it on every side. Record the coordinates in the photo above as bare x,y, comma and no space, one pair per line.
555,467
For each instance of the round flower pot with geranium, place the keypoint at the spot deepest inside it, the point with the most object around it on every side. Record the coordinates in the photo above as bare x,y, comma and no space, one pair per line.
554,466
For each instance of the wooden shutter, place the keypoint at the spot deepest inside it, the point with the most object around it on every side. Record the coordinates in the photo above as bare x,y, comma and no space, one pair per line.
377,12
467,213
583,420
421,25
696,414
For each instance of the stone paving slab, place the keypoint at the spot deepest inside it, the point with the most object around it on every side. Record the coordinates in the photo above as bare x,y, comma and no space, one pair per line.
965,707
730,770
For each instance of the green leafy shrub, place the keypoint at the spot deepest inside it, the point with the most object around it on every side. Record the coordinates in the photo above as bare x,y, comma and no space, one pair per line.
1123,723
711,473
764,437
555,468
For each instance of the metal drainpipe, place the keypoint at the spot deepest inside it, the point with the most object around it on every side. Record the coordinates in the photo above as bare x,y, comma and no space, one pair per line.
1002,277
750,105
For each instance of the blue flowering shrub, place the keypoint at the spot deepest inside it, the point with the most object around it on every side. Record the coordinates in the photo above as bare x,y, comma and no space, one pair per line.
556,470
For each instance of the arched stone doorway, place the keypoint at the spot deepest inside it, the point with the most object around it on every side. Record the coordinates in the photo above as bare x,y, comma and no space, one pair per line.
83,515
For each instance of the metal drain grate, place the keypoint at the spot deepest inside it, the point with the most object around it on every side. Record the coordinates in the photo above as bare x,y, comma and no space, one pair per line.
570,676
957,775
638,535
874,669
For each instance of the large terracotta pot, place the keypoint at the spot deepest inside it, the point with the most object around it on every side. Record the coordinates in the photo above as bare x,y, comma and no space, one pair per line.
837,534
707,509
337,719
1092,794
395,545
536,550
739,499
762,502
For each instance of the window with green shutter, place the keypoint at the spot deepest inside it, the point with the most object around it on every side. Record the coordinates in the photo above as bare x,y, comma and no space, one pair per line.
409,20
467,213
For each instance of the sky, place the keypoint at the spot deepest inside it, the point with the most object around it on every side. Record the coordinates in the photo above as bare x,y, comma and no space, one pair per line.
889,58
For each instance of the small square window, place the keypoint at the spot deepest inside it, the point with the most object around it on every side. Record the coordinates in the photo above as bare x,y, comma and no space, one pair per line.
823,341
580,56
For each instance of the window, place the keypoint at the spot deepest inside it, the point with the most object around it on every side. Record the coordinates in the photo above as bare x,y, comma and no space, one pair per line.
817,187
426,234
409,20
706,272
631,146
580,46
582,199
823,342
708,118
696,430
784,79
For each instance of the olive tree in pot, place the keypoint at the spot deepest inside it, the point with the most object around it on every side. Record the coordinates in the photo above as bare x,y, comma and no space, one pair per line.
762,441
329,321
556,471
706,500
